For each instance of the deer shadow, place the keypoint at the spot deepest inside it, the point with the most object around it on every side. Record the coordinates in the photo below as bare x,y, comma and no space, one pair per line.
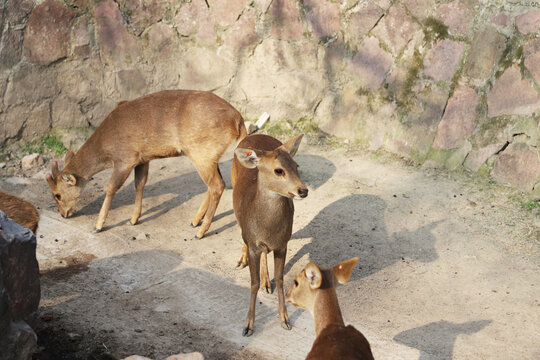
355,226
436,340
315,170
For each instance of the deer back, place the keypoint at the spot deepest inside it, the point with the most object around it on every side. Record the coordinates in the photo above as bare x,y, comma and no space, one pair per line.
19,210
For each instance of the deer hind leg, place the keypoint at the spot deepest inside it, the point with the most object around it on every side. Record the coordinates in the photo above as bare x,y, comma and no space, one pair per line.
265,277
141,175
243,261
211,176
254,258
279,264
118,177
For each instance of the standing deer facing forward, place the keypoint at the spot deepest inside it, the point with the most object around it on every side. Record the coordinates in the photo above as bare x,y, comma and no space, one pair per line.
265,180
169,123
314,289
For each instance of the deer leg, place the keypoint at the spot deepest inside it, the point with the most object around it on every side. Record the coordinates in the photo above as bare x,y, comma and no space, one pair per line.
243,261
141,175
279,264
255,283
265,277
212,178
118,178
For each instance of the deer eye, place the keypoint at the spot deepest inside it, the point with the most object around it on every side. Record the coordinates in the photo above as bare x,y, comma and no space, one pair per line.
279,172
295,283
58,196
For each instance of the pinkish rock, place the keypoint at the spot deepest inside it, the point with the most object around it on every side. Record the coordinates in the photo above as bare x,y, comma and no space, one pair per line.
30,84
458,121
512,95
362,21
81,38
160,37
286,24
116,45
528,22
142,13
17,10
242,34
46,37
32,161
226,12
323,18
487,46
518,165
531,52
11,49
420,9
501,19
194,19
370,64
443,59
396,28
457,16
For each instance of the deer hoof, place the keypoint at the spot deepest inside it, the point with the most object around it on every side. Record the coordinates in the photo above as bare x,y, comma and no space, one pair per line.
247,332
286,325
130,222
266,289
195,225
96,230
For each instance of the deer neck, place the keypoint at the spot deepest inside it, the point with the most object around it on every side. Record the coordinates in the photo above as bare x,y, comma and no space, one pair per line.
88,161
326,310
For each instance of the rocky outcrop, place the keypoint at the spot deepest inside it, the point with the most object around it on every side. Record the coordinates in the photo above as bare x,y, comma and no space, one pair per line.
441,81
19,289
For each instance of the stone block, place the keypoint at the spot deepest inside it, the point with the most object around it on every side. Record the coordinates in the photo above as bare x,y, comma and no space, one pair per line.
443,59
478,157
194,19
518,165
531,53
32,161
130,84
323,18
142,13
396,29
30,84
20,342
457,15
159,39
117,47
241,34
501,19
17,11
512,95
46,37
361,22
67,113
420,9
529,22
38,122
370,64
20,267
11,49
12,122
487,46
81,38
225,13
204,69
286,22
428,108
458,121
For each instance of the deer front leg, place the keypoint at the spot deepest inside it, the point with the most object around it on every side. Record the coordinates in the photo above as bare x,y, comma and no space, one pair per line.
118,178
265,277
279,264
141,175
255,283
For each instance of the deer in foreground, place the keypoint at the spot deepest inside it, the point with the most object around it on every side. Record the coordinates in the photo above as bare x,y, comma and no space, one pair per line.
168,123
265,182
314,289
19,210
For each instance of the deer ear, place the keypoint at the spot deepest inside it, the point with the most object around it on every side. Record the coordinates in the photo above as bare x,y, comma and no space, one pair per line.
50,180
248,157
343,270
68,156
313,275
54,168
70,179
292,145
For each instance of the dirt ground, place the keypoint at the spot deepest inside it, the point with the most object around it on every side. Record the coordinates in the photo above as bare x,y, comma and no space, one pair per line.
448,269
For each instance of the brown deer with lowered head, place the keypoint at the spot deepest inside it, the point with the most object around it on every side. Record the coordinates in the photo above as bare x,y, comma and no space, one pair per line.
19,210
314,289
265,182
168,123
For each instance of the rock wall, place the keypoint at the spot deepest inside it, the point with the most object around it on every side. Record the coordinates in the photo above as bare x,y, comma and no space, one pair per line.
444,83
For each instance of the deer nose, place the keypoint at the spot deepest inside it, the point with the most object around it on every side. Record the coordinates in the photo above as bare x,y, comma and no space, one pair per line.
302,192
